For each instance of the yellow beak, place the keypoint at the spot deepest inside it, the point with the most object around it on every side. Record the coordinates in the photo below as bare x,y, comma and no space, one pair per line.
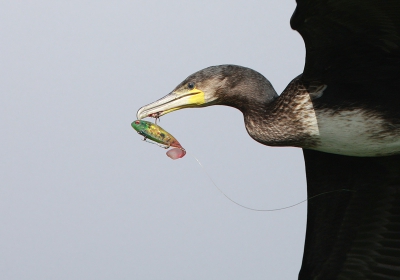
172,102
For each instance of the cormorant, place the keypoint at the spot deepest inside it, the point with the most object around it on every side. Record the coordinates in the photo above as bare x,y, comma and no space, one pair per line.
344,111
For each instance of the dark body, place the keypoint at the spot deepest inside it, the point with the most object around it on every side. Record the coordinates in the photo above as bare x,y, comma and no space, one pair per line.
352,235
354,48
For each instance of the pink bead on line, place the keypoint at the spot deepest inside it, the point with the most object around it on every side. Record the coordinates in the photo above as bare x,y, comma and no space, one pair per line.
176,153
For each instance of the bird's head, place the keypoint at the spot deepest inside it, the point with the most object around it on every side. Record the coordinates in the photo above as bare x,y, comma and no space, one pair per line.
230,85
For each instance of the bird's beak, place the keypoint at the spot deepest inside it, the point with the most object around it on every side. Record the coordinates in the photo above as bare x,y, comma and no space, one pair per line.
172,102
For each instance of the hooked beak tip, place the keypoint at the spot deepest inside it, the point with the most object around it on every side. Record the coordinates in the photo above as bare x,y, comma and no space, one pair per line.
139,114
143,113
155,109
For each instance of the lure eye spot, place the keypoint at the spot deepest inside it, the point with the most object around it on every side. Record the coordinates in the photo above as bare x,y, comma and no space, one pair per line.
137,122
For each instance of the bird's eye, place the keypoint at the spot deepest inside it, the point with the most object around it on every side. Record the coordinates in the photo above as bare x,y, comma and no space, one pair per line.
191,85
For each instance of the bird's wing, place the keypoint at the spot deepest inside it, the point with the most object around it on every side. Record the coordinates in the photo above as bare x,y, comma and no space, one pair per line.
350,41
352,234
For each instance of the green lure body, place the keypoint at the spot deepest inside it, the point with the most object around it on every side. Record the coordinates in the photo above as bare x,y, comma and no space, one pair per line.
155,133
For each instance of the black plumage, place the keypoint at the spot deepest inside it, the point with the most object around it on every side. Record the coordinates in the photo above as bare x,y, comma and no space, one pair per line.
354,48
352,234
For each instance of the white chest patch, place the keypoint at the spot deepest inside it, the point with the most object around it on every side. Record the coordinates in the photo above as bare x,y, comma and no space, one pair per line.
355,133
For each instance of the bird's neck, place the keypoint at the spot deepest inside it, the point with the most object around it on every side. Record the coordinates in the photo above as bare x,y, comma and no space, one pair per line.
289,120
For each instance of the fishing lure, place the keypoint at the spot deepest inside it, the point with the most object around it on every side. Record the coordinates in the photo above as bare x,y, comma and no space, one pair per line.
157,134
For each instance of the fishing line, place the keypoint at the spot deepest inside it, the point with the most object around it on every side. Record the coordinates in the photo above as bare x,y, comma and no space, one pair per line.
262,210
237,203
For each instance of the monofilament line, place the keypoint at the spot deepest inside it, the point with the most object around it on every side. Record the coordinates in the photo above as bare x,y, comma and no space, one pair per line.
262,210
237,203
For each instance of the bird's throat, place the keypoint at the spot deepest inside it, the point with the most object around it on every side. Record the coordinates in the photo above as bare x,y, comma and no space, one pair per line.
287,121
293,120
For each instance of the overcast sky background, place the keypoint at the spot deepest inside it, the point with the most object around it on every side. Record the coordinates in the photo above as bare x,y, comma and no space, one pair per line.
82,197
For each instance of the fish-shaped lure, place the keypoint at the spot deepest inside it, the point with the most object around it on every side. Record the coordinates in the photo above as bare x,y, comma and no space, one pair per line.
157,134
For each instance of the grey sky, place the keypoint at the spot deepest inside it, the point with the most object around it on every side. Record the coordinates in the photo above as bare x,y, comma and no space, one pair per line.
82,197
